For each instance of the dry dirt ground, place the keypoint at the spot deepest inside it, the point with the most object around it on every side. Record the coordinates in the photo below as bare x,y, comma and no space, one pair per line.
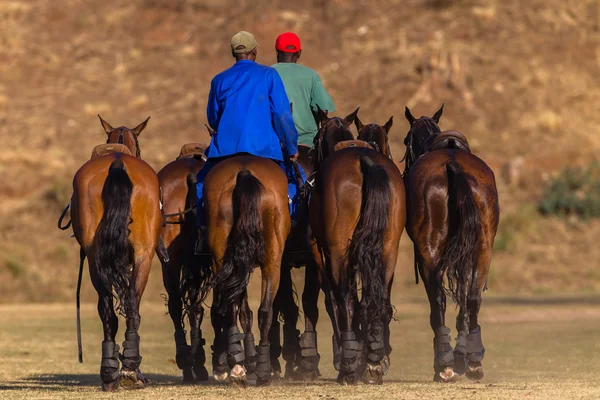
519,78
535,349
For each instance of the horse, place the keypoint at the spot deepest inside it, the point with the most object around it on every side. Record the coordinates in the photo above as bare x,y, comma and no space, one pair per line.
357,240
248,222
453,215
116,219
184,273
300,351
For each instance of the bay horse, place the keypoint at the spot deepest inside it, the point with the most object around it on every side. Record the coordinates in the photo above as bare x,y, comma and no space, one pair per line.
300,351
116,219
357,215
184,273
453,215
248,222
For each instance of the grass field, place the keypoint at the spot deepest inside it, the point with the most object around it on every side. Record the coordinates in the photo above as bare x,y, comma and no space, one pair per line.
535,349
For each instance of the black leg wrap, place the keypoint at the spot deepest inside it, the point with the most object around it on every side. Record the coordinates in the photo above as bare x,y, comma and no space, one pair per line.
349,355
443,354
475,349
250,361
198,343
309,357
275,340
460,353
235,351
263,361
376,347
219,359
131,358
183,352
109,366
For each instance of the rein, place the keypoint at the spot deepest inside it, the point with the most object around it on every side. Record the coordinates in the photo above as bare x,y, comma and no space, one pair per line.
179,214
62,216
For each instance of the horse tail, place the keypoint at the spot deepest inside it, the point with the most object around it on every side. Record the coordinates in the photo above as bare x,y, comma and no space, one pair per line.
114,253
195,275
459,256
365,250
245,244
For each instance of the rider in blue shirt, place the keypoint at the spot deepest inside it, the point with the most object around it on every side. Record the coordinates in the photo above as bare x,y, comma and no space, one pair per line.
250,113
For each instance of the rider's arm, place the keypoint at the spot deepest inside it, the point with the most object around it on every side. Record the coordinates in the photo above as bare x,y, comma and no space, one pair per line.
281,114
212,108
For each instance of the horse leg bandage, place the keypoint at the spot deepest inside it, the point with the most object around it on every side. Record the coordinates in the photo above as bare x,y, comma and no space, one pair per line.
197,346
250,361
131,358
444,356
235,351
290,343
183,352
337,353
263,364
109,366
475,349
308,351
349,356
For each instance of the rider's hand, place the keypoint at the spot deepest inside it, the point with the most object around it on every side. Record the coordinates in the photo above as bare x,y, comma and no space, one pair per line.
295,157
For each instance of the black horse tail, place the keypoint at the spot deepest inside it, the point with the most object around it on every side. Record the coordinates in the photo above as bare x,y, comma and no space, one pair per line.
459,257
245,244
114,253
195,275
366,246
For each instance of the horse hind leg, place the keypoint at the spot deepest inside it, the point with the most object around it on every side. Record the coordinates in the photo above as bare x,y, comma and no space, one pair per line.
474,344
289,309
307,360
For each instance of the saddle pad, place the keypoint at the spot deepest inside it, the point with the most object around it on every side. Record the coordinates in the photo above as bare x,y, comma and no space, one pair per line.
109,148
450,139
190,150
352,143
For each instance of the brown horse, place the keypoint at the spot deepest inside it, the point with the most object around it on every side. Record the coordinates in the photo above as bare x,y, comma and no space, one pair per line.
184,273
116,216
357,240
452,220
248,222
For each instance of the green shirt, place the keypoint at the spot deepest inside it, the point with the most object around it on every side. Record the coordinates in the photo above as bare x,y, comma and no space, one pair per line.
305,90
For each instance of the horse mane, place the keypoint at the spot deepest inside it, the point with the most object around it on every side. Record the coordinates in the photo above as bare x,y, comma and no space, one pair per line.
418,137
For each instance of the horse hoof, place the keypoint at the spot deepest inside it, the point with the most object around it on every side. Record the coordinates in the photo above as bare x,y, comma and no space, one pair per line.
187,376
112,386
347,379
132,379
475,372
385,364
220,376
201,373
238,376
264,381
373,374
446,376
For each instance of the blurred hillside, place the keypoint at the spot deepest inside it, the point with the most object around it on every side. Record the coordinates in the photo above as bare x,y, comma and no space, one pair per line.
521,79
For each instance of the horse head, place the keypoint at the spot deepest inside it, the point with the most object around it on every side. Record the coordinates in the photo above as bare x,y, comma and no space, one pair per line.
376,135
331,132
421,131
124,135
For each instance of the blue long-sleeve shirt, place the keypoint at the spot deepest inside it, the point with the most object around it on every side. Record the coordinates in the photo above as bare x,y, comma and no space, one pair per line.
250,112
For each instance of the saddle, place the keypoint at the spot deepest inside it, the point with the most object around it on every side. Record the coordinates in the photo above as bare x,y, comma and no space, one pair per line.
193,150
109,148
449,140
352,143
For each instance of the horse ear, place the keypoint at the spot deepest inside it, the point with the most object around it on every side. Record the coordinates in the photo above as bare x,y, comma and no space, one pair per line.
107,128
438,114
388,125
351,117
211,131
321,115
138,129
409,116
358,123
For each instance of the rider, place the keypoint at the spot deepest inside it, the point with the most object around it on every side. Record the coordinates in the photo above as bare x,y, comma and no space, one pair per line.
250,113
302,85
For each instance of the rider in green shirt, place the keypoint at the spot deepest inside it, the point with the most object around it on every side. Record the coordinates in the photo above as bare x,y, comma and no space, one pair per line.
303,87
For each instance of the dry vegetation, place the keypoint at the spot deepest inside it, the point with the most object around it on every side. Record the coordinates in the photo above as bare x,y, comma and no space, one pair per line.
519,78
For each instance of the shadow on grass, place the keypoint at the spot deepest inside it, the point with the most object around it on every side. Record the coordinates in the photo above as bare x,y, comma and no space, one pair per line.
65,381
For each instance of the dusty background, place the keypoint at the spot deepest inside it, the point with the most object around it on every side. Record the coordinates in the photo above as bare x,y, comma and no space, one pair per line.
521,79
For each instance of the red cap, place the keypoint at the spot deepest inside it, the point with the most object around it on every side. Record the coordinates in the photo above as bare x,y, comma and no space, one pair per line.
288,42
